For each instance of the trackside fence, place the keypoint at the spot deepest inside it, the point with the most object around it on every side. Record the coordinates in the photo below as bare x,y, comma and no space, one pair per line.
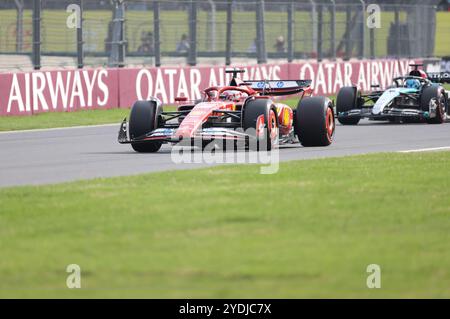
117,33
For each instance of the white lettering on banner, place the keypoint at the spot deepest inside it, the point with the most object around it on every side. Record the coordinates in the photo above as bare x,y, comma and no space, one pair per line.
44,91
189,85
375,73
368,76
307,72
27,92
58,89
103,87
221,74
195,77
404,67
160,88
61,90
329,67
276,72
138,84
348,71
77,90
171,73
15,95
267,74
89,85
256,74
385,73
396,70
328,77
320,80
338,82
38,80
182,85
212,78
361,78
226,79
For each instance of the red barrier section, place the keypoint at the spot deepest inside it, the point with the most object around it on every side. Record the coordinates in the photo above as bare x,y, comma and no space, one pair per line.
329,77
167,83
55,91
11,102
70,90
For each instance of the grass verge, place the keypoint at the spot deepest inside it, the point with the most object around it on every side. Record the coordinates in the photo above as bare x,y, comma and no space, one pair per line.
62,119
308,231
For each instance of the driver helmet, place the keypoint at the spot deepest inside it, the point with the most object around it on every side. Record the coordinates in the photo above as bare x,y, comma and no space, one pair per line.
211,94
412,84
232,95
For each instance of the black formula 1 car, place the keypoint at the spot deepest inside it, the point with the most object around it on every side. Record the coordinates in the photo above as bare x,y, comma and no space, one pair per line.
245,112
415,97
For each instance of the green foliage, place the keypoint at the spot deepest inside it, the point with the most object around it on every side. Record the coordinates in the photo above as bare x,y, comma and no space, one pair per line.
228,232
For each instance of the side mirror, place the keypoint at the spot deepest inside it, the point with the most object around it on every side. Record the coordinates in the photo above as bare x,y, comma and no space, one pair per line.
181,99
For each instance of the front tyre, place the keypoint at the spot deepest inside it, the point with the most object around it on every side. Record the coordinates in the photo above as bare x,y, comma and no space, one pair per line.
314,121
430,95
347,99
143,119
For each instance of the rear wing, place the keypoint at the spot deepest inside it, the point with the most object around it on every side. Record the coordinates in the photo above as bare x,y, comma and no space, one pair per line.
279,87
439,77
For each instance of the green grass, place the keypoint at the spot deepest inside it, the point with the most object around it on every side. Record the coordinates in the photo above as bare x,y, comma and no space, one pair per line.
308,231
442,44
62,119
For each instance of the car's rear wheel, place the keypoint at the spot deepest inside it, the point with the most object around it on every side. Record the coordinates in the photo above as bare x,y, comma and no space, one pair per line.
260,120
143,119
347,99
433,94
314,121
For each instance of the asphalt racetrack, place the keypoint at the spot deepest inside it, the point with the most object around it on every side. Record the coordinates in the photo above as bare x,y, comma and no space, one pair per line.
60,155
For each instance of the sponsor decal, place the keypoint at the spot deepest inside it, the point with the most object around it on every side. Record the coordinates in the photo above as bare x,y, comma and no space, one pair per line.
35,92
25,93
162,132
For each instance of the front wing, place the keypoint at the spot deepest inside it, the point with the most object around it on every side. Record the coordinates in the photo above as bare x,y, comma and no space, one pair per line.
392,112
169,135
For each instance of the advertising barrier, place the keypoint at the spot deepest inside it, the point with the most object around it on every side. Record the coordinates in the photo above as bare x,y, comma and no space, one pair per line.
26,93
56,91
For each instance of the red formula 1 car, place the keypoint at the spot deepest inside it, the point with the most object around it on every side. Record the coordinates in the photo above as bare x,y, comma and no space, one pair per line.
243,112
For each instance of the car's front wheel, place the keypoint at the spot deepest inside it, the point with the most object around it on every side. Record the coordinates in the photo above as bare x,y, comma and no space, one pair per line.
143,119
347,99
434,95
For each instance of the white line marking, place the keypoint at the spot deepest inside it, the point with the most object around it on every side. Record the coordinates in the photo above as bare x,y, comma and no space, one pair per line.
426,149
58,128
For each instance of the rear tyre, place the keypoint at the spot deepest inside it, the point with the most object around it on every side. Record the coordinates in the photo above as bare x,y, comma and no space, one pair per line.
433,94
143,119
314,121
259,115
347,99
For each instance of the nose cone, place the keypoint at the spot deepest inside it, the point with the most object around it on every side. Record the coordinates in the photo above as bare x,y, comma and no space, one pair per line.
384,100
184,132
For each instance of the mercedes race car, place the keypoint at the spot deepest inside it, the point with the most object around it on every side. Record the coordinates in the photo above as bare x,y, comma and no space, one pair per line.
245,113
414,97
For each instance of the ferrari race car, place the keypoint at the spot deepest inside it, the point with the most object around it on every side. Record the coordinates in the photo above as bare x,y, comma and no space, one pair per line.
243,113
414,97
